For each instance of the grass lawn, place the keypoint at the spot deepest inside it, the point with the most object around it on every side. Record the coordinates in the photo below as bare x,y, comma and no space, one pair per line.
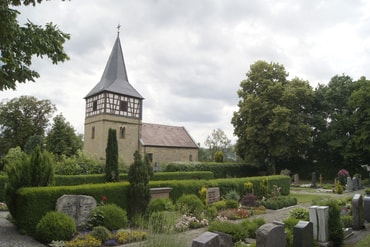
310,197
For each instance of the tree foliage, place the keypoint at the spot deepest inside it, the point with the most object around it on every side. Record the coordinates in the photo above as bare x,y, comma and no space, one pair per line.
21,118
217,142
62,139
139,175
272,121
111,159
27,171
18,44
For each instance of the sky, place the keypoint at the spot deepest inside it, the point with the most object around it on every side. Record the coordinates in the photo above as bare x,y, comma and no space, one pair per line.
187,58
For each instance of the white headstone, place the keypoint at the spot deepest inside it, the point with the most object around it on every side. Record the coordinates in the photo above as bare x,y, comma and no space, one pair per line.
313,218
323,216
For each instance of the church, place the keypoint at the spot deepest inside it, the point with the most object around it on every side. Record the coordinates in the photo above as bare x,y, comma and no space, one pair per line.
114,103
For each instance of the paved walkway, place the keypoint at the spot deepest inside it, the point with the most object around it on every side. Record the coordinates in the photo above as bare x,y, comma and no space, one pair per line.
10,237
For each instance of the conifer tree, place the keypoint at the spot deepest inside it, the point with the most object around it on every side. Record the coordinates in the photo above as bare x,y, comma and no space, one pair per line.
111,157
139,175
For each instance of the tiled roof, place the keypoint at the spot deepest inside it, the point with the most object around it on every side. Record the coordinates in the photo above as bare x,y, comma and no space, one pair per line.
166,136
114,78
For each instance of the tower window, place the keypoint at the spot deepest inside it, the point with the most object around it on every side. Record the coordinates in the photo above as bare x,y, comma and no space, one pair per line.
93,132
95,105
123,106
122,132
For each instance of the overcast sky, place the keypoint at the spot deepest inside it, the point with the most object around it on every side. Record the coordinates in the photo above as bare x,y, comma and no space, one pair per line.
188,57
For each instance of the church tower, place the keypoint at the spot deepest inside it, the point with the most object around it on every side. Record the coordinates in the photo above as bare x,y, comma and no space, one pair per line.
113,103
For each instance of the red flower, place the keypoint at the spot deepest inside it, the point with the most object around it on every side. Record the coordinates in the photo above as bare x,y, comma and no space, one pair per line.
104,198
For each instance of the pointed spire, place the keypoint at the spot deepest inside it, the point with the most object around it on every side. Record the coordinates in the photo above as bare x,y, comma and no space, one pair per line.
115,78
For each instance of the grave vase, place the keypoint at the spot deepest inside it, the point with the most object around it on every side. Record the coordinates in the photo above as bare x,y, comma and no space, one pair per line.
367,207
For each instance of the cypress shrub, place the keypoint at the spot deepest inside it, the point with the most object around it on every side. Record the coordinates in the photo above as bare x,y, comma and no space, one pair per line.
111,157
139,175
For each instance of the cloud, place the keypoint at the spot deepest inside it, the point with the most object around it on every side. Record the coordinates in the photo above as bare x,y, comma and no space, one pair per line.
187,58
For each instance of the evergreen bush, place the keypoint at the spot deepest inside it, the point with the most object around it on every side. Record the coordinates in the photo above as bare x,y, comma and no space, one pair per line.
101,233
139,175
55,226
160,204
190,204
110,216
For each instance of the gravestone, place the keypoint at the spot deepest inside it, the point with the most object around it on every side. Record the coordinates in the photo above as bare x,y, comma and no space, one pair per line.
163,192
358,212
355,183
303,234
313,219
213,195
78,207
296,179
270,235
313,182
323,224
349,185
367,207
211,239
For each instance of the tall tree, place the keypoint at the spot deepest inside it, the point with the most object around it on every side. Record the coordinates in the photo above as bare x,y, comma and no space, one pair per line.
111,158
62,139
272,121
18,44
139,175
21,118
217,142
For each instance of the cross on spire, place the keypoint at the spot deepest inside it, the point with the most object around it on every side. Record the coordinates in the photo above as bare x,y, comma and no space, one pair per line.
118,27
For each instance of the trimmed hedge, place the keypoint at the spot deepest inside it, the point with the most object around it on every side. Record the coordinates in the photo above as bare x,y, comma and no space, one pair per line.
30,210
220,170
65,180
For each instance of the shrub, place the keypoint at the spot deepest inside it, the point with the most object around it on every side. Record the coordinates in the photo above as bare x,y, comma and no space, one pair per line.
300,214
236,231
55,226
128,236
190,204
84,241
252,226
232,195
110,216
160,204
211,212
162,222
338,188
101,233
347,220
220,205
249,200
111,157
139,175
231,204
336,234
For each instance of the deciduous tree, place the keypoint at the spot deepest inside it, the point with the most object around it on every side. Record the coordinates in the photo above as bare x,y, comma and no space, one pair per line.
18,44
62,139
272,121
21,118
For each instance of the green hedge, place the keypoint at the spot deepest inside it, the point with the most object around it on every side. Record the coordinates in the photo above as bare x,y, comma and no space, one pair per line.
220,170
30,210
63,180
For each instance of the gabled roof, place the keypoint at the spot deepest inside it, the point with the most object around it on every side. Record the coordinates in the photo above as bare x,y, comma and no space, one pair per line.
166,136
114,78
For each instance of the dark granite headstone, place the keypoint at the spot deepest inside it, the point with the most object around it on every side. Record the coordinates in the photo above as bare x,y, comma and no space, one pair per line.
303,234
313,181
270,235
212,239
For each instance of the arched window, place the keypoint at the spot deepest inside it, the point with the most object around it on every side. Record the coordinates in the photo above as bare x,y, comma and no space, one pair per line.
122,132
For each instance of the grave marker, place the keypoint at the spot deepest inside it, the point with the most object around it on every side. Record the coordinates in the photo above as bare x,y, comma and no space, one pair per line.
213,195
78,207
270,235
303,234
358,212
